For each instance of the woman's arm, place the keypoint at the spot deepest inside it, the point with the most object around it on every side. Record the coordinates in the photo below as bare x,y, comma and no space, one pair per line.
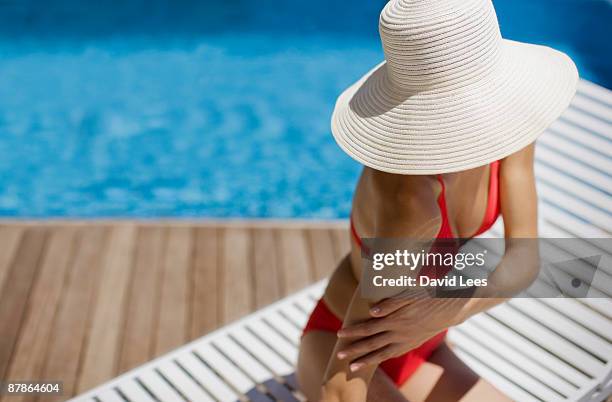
520,264
404,213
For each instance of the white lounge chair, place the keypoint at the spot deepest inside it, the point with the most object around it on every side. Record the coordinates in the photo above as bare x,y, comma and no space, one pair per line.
531,349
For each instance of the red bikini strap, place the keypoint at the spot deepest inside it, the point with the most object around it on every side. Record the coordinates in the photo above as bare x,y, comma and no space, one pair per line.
356,237
445,231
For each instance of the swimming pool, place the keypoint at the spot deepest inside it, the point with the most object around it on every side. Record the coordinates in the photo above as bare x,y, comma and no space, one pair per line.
187,108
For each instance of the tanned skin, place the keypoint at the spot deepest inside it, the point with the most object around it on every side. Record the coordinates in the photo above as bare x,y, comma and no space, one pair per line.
391,205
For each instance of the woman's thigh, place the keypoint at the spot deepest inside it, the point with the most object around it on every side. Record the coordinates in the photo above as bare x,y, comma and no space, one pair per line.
444,377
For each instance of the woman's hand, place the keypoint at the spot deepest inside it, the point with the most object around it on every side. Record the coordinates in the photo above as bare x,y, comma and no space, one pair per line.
399,325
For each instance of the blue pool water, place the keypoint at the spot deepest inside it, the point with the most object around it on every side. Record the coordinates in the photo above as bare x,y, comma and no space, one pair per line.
187,108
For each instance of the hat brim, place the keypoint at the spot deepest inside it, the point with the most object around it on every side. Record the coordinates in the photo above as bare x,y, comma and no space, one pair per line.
458,127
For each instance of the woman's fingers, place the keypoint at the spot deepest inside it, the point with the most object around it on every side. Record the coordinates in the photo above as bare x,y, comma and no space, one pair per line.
366,328
375,358
365,346
393,304
388,306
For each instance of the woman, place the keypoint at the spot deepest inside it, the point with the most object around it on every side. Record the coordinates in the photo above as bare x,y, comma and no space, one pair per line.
445,128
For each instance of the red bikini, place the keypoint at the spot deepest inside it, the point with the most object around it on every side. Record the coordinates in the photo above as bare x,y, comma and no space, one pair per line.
399,369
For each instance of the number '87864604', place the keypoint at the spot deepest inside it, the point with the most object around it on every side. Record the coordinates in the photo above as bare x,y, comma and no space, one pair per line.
31,387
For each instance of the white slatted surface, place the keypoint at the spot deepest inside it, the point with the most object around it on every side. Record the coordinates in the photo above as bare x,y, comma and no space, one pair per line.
531,349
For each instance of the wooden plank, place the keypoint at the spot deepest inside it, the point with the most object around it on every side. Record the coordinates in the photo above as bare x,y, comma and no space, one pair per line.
10,236
266,268
103,343
294,260
16,290
143,299
237,280
173,324
31,349
206,279
323,254
73,317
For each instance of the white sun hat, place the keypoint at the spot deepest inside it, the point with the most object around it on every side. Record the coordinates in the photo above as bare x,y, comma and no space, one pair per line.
452,94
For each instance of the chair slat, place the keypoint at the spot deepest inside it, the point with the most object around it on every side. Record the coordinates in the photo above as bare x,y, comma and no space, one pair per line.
547,339
592,215
307,304
579,135
594,91
158,386
225,368
283,326
209,380
272,339
576,152
243,359
598,109
134,391
519,342
297,316
109,395
573,187
502,383
583,315
267,356
564,327
554,216
182,382
518,358
463,341
591,123
581,171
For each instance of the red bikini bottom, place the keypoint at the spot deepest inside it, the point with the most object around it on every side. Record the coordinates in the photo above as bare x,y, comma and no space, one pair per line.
400,368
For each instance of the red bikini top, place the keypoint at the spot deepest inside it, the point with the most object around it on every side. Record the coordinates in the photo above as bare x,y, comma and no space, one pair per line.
446,231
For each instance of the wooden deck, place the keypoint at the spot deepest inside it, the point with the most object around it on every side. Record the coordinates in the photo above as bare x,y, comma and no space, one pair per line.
83,302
